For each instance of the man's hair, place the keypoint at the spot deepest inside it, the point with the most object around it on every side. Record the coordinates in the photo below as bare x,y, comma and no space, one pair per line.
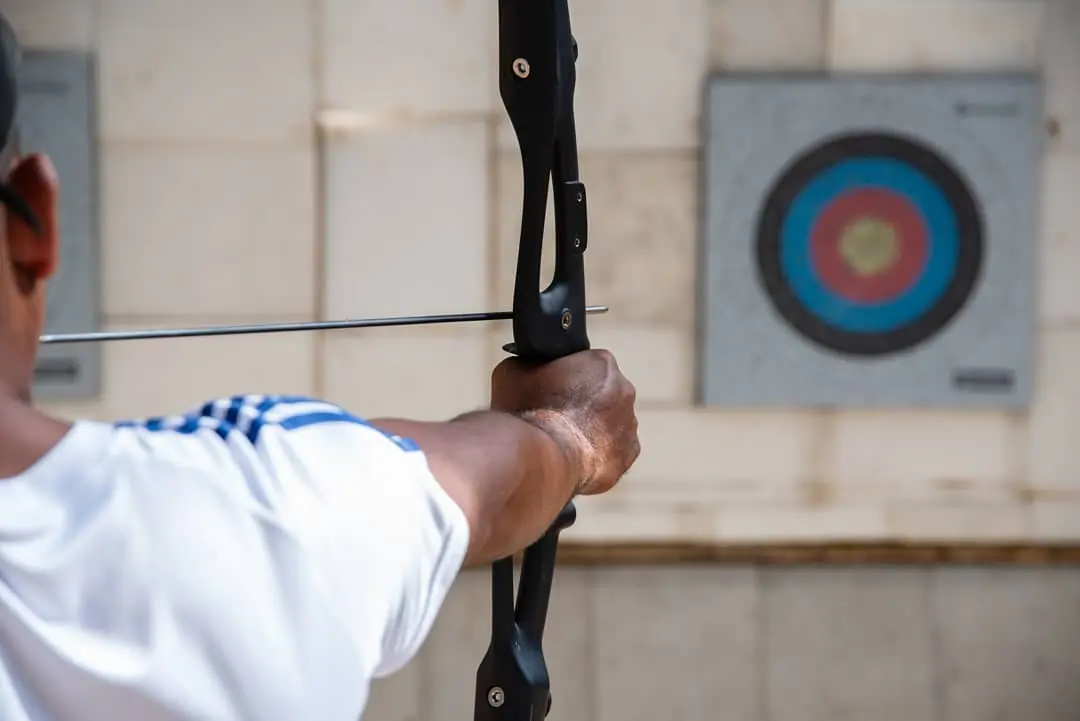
9,137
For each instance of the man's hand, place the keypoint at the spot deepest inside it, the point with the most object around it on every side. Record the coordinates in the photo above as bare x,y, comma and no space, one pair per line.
554,430
584,401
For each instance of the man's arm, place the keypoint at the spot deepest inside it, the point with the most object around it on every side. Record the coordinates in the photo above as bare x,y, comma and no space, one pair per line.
511,474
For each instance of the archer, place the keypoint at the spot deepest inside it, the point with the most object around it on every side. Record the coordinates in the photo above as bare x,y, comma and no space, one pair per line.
260,558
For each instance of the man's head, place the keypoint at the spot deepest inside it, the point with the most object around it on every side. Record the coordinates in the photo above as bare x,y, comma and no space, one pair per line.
28,235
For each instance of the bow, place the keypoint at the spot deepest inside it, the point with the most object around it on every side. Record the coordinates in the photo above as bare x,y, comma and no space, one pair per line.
537,76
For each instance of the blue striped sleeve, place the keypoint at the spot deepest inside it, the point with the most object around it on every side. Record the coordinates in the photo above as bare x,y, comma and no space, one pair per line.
249,415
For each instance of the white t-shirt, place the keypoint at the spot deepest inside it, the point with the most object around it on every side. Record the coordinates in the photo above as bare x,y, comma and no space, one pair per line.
259,559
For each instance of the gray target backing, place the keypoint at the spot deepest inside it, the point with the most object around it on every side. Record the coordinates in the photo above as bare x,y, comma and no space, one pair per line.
986,127
56,116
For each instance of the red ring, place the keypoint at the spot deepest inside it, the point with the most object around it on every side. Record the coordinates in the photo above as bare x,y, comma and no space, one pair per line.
881,204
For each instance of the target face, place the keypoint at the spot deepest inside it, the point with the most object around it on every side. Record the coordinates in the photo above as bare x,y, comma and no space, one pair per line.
869,244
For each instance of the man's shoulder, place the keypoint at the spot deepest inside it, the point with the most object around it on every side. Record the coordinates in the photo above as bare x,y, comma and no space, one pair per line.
260,440
228,455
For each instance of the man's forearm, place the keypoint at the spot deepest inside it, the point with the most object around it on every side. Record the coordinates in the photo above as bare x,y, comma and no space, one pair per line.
511,475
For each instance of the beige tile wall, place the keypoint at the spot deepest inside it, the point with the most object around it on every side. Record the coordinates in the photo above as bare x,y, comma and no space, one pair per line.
774,644
301,159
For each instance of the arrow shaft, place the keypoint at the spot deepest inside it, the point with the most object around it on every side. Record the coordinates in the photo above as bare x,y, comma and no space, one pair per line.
260,328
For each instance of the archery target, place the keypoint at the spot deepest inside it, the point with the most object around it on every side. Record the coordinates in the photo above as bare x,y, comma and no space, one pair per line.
869,242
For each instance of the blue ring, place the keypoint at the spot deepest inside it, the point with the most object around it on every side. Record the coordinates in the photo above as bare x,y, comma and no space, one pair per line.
943,245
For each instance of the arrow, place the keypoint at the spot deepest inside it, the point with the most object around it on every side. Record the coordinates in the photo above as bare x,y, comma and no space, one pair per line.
220,330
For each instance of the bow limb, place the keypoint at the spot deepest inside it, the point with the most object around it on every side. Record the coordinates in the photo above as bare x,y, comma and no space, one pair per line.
537,77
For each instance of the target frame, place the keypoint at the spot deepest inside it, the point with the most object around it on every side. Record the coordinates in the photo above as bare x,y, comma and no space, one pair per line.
986,126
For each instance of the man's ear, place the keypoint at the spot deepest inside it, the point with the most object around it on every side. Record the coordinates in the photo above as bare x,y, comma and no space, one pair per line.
34,180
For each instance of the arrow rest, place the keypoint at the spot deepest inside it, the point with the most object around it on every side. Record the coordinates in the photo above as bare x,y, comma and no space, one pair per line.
537,77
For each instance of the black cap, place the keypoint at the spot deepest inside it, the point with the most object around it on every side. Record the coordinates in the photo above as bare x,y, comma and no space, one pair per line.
10,56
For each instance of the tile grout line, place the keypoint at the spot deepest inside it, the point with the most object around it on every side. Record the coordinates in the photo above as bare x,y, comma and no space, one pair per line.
592,653
762,617
319,162
937,691
827,15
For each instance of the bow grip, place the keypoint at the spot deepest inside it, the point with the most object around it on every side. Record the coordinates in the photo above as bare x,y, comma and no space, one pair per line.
551,323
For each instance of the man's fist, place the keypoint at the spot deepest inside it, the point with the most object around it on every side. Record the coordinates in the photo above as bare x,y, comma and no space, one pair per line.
584,391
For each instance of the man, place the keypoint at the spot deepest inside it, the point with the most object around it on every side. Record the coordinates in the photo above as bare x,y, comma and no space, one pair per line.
259,558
